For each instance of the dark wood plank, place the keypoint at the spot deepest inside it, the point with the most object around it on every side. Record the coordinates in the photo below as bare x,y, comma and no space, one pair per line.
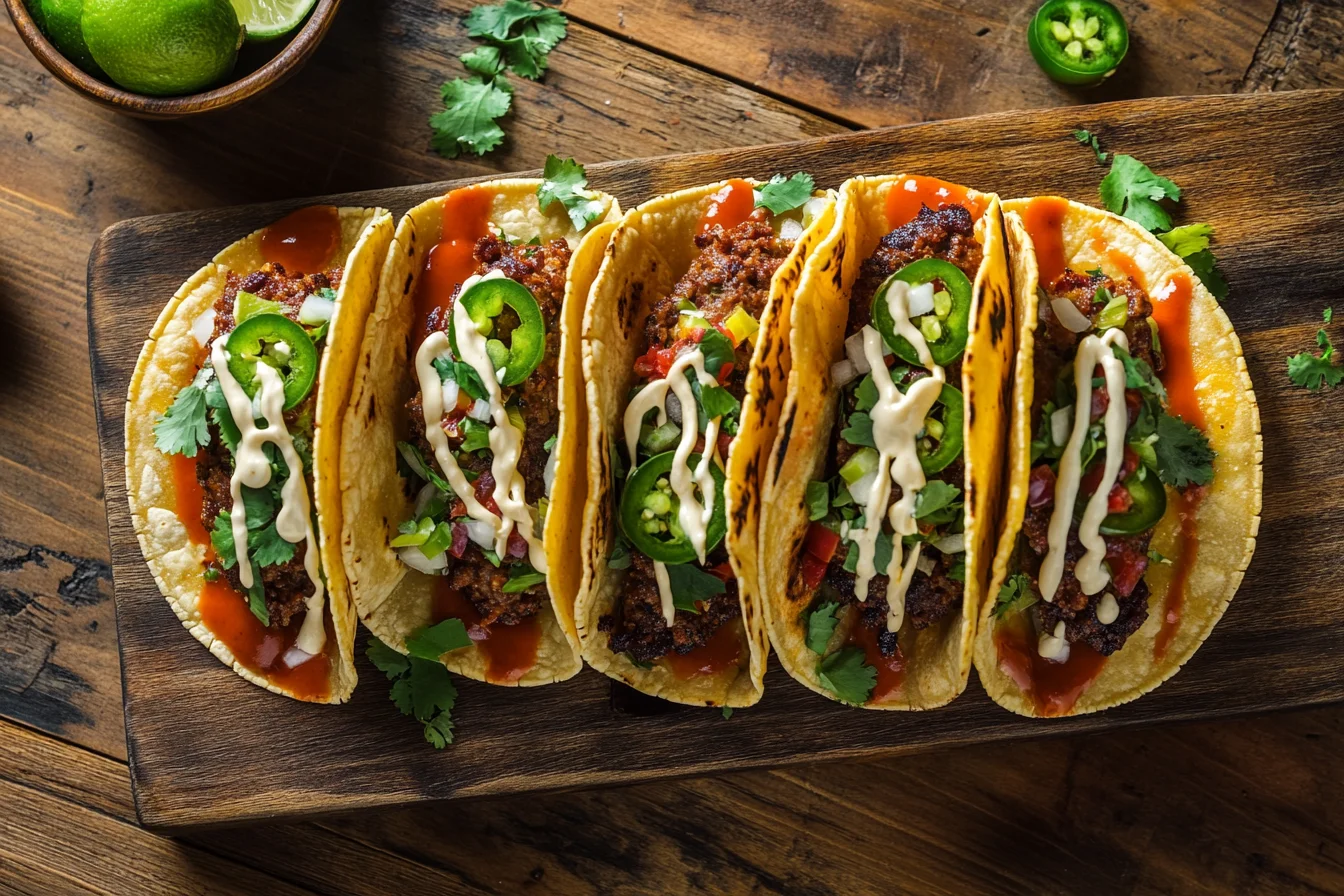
197,760
875,63
1301,49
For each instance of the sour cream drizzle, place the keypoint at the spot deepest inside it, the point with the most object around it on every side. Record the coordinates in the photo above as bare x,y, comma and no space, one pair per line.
251,468
897,421
505,440
692,515
1092,577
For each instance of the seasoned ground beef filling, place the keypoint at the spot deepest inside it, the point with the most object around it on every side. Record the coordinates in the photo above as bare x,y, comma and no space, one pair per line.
1126,555
542,270
947,233
286,585
734,268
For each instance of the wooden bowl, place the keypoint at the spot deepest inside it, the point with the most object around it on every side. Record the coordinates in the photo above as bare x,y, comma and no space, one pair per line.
299,47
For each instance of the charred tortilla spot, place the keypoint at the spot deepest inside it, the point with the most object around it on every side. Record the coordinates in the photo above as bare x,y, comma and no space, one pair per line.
373,413
785,433
405,290
998,316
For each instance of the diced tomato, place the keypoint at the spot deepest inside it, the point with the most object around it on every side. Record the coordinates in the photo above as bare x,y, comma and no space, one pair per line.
517,545
821,542
485,492
1133,401
723,572
1101,400
1119,500
452,420
1092,478
459,545
813,571
1129,464
725,370
698,335
458,509
657,361
1041,487
1127,564
725,442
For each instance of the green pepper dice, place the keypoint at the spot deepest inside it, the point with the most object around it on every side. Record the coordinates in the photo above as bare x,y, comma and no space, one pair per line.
274,339
485,301
649,511
1078,42
945,334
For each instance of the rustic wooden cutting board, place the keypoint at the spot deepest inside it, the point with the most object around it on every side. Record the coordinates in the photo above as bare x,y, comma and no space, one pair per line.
1266,170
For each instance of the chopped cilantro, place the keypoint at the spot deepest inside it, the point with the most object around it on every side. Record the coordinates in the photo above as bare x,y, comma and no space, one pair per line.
727,712
716,401
1183,453
421,689
818,500
689,583
1157,556
522,577
717,350
256,602
620,553
1191,242
211,574
416,461
564,181
845,674
475,435
957,572
936,495
1131,189
1015,594
462,373
182,429
1089,139
784,194
429,642
860,430
1140,376
865,396
1314,371
267,548
484,61
549,444
820,626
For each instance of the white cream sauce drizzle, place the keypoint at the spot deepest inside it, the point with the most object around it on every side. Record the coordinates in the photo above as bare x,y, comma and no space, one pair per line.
664,592
251,468
692,515
897,421
1054,646
1108,609
1092,577
505,439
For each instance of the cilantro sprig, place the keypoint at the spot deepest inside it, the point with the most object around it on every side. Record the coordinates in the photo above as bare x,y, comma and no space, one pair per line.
690,584
1315,372
1131,189
845,674
518,36
182,428
1191,242
421,689
565,181
1015,594
1087,138
782,194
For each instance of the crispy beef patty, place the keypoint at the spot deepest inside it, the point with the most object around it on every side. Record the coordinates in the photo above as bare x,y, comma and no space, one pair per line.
638,626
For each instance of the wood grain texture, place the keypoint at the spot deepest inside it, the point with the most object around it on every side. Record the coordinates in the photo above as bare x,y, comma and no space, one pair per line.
1254,166
873,62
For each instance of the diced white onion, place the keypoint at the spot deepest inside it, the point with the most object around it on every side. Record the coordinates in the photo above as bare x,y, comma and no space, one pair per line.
951,544
296,657
316,310
481,534
925,564
480,411
812,208
425,495
920,299
1068,314
413,557
548,474
790,229
854,351
1061,422
203,327
843,373
863,487
450,392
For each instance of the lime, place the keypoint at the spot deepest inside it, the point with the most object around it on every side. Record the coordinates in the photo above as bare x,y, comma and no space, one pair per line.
269,19
35,10
163,47
62,26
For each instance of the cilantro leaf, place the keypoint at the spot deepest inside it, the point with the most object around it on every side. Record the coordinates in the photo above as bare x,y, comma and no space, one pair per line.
1206,269
1088,138
522,577
845,674
716,401
256,602
860,430
258,506
467,121
182,429
1131,189
462,373
1328,314
1183,453
221,536
432,689
818,500
421,689
1314,371
475,435
620,553
386,660
439,730
718,351
1015,594
497,21
936,495
783,194
416,461
689,583
1187,239
429,642
865,395
957,572
1140,376
484,61
267,548
564,181
820,626
727,713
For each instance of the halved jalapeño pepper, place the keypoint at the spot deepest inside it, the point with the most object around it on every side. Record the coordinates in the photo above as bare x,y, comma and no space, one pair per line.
485,301
952,326
947,445
1078,42
649,511
273,339
1149,505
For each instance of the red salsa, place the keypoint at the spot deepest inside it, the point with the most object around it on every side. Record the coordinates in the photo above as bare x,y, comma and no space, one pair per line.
304,240
448,264
509,650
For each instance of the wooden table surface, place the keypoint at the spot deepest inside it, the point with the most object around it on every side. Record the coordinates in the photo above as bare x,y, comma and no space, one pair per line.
1252,805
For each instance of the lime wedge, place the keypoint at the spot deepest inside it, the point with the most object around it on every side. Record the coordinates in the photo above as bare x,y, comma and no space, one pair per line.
269,19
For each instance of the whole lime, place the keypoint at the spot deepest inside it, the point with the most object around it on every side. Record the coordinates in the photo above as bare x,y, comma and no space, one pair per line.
61,22
163,47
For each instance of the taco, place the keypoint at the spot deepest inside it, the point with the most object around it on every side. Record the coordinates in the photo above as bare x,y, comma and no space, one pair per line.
681,355
462,474
1128,528
232,419
883,484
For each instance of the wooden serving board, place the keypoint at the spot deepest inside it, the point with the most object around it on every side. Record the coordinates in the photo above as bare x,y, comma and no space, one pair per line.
208,748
